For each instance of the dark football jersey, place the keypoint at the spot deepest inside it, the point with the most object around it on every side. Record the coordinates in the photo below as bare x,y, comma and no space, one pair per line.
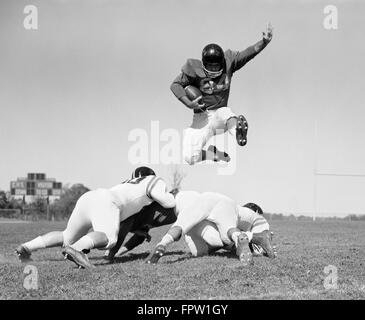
151,216
215,90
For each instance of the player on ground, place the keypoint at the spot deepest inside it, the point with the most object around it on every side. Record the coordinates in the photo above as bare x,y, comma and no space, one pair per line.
151,216
192,208
102,210
204,238
212,76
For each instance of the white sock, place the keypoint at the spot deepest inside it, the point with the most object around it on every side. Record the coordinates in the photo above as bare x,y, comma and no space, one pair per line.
166,240
35,244
84,243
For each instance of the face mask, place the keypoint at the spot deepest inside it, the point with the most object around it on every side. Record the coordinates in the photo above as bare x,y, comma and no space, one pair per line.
213,74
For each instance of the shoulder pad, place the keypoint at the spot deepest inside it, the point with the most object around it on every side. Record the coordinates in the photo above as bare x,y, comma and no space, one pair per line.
151,184
229,56
193,68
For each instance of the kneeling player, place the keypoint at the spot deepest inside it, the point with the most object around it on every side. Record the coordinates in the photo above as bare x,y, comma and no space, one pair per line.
204,238
102,210
151,216
192,208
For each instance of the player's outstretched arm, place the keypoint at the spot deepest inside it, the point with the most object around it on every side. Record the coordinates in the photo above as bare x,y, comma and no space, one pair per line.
266,38
242,57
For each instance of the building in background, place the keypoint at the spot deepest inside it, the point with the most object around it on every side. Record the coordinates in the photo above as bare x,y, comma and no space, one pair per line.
36,185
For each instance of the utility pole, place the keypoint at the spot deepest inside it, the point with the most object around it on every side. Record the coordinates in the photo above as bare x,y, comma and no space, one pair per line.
47,208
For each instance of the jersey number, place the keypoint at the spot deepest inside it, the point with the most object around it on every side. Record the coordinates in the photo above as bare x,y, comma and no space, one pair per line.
135,180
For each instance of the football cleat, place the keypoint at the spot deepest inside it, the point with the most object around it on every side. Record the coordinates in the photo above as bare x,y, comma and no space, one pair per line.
109,255
156,255
241,130
78,257
263,240
218,155
242,249
23,253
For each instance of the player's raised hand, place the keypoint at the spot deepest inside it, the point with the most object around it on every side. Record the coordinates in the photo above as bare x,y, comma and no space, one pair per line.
267,35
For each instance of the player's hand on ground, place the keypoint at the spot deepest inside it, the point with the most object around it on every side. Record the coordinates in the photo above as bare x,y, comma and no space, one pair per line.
196,104
267,35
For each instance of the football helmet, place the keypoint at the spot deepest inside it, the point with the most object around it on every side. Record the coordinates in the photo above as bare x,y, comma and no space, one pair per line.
213,60
142,172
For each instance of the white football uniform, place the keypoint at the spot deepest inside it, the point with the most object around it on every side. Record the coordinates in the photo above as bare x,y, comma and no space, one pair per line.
193,207
205,236
205,125
104,209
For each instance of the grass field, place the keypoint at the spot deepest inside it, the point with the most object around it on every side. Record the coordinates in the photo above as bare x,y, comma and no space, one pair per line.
304,250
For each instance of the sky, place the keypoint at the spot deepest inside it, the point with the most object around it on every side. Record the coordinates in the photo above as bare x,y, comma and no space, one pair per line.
72,91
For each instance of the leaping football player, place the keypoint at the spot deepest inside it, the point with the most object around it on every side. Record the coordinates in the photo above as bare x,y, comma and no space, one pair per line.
102,210
193,208
212,76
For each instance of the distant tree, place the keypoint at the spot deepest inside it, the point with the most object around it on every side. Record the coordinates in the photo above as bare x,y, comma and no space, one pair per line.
62,208
177,177
3,200
38,208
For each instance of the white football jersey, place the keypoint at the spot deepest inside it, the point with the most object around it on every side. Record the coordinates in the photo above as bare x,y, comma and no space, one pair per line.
134,194
248,219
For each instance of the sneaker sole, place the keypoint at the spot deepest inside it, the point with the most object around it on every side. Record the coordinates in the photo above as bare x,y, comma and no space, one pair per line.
155,257
243,251
70,256
241,131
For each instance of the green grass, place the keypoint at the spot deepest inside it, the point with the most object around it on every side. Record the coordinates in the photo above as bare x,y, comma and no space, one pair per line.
304,248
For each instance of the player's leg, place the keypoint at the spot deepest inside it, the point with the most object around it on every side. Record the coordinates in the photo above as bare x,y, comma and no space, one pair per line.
187,218
48,240
203,239
237,126
104,217
124,228
196,137
76,227
225,216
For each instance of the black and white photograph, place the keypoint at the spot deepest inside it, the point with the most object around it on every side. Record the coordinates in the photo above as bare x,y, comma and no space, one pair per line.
182,151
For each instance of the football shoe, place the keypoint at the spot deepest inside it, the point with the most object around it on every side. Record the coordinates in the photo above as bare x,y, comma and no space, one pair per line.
156,254
241,130
23,253
242,249
78,257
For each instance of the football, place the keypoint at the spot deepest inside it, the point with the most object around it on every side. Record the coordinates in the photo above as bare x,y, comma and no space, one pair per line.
193,93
